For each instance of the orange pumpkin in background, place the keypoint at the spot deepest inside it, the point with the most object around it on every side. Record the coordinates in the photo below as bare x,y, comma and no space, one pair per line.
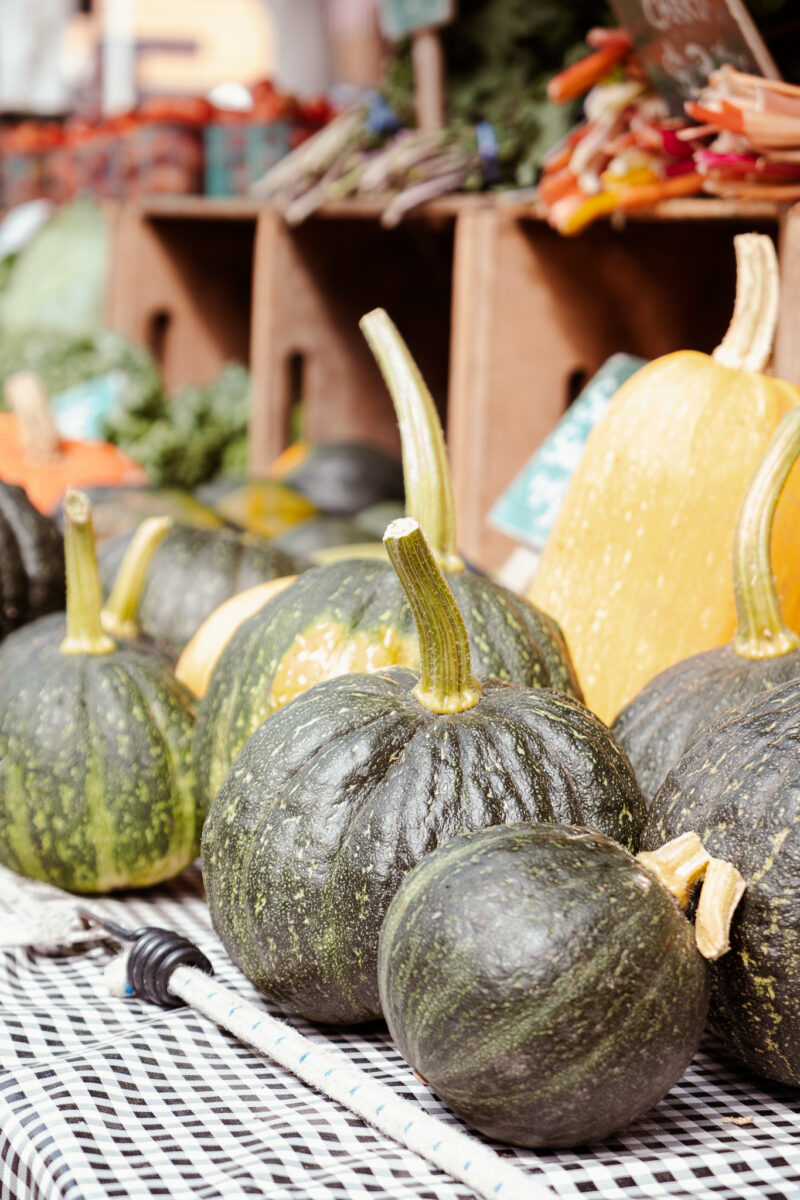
637,566
34,456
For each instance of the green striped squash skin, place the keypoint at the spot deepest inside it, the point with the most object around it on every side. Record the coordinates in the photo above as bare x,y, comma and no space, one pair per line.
31,561
509,639
657,725
542,982
738,787
339,794
194,571
96,783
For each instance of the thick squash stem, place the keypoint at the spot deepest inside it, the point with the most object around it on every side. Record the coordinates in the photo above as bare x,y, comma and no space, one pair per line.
761,631
118,617
678,865
723,888
429,494
747,346
84,596
447,684
27,398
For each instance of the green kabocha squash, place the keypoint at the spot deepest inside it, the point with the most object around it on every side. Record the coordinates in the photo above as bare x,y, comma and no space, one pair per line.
340,478
738,787
542,981
31,561
303,541
338,795
657,725
96,783
117,510
191,574
353,615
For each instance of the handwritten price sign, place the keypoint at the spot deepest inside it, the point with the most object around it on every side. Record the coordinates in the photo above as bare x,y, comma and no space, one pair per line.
399,18
681,42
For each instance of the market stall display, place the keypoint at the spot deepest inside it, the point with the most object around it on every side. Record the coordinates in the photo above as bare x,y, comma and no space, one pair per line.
404,780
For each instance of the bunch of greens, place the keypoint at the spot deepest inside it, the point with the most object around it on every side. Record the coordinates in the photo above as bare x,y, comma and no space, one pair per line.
499,55
198,434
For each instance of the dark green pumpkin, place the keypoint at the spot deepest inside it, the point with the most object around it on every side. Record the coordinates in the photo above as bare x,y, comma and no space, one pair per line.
738,787
338,795
303,540
192,573
658,724
96,784
543,983
340,478
117,510
353,615
31,561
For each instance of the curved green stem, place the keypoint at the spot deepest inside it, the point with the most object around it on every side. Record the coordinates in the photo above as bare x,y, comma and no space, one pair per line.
118,617
84,595
447,684
747,346
429,493
761,631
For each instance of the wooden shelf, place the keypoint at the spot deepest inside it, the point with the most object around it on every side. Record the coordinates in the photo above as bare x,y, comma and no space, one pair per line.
506,318
235,208
238,208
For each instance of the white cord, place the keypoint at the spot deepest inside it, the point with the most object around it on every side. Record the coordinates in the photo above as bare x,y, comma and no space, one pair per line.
329,1072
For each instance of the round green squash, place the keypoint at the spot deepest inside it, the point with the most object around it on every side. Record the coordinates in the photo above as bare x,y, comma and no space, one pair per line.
31,561
353,615
117,510
338,795
658,724
305,539
96,783
543,983
340,478
192,572
738,787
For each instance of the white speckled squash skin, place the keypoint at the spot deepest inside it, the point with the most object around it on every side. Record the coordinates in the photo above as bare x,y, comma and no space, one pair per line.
96,782
340,793
336,797
738,787
194,571
353,616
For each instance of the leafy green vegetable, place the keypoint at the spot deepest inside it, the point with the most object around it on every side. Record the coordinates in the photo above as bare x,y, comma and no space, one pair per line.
58,281
189,439
499,56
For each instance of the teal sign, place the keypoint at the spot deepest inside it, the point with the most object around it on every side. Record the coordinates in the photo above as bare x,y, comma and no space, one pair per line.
399,18
528,507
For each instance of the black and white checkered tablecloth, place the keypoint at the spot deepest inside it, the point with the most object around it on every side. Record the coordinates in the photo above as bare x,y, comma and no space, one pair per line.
101,1097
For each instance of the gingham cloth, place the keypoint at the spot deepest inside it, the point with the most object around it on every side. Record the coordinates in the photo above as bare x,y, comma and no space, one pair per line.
102,1097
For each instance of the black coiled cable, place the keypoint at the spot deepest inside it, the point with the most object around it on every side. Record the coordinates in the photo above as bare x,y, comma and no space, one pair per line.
153,957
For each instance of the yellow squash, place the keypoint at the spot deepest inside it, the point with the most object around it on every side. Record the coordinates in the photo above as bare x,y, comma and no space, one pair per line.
637,567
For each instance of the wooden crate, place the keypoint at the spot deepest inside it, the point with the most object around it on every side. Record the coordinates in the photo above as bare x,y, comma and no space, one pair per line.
536,314
506,318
